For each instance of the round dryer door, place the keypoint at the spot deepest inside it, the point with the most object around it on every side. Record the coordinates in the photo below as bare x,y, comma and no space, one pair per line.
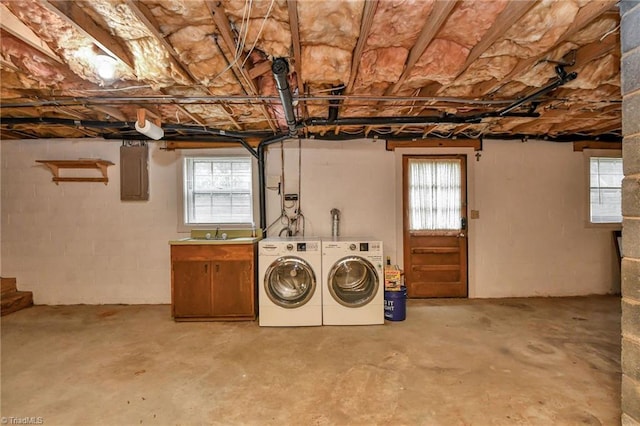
353,281
290,282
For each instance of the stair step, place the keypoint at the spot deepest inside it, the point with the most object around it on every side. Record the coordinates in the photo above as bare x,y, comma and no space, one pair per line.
12,302
8,285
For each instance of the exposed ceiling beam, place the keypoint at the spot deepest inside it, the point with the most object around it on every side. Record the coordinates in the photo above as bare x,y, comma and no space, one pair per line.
70,12
65,111
6,134
438,16
608,126
11,24
145,16
506,19
532,126
585,15
142,12
592,51
292,7
110,111
260,69
195,117
365,27
222,22
400,129
21,134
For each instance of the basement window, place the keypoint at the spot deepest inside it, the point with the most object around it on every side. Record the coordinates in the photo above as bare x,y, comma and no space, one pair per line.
218,190
605,190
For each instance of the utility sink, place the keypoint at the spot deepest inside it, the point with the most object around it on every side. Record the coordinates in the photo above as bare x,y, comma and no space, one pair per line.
231,236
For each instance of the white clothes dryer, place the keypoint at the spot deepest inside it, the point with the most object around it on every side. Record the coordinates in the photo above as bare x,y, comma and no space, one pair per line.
352,290
289,286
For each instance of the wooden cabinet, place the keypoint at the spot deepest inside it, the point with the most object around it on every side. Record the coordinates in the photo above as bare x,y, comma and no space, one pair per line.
213,282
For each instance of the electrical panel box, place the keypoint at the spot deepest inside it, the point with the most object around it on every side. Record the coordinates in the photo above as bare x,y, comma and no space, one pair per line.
134,172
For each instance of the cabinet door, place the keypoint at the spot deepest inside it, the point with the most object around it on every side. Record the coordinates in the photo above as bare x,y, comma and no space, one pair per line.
233,293
191,288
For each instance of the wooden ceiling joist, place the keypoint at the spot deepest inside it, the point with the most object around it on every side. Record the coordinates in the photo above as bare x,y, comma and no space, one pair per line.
438,16
142,12
292,8
110,111
365,27
145,16
11,24
592,51
585,16
193,117
72,13
224,27
21,134
507,18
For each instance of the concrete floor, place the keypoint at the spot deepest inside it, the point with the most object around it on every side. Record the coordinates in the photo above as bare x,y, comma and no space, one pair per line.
480,362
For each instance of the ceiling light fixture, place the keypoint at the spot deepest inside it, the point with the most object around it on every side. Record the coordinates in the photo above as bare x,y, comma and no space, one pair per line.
105,67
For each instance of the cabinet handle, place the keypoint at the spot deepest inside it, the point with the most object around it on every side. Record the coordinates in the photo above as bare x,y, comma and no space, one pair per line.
217,267
206,267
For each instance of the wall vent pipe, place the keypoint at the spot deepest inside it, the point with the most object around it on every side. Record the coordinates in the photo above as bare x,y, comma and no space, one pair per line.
280,69
335,222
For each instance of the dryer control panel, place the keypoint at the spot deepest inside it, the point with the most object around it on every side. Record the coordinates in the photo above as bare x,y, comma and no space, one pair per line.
303,247
374,246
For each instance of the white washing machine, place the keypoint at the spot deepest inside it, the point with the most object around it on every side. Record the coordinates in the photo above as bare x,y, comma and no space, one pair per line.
352,290
290,273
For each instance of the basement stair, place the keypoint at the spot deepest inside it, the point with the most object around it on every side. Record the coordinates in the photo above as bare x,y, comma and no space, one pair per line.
12,300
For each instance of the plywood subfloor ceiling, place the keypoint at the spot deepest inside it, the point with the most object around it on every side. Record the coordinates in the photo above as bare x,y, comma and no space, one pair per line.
387,68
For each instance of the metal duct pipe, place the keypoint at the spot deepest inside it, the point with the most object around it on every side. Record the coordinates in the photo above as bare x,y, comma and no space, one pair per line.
335,222
280,69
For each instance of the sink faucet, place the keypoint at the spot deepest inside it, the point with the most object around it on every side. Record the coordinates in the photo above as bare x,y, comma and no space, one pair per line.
215,237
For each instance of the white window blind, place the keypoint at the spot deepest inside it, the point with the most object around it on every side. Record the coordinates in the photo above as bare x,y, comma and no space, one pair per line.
218,190
605,189
435,200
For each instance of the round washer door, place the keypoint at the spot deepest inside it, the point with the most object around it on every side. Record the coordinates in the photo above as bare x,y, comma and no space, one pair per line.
290,282
353,281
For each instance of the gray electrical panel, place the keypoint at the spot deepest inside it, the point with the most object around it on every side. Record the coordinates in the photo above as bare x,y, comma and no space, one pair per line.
134,172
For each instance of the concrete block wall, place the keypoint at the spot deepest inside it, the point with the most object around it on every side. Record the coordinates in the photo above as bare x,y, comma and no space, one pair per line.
630,42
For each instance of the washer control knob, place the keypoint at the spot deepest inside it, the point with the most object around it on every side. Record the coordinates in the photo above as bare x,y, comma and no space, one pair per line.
289,247
352,247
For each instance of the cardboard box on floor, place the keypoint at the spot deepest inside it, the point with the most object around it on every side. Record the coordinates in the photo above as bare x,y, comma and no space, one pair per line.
393,277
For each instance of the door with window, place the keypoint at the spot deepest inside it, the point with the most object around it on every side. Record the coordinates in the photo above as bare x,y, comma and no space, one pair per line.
435,226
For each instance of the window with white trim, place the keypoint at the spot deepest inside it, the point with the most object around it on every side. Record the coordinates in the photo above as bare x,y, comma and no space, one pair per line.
218,190
605,190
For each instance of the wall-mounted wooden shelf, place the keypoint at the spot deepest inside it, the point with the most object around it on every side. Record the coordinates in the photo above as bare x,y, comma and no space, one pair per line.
56,165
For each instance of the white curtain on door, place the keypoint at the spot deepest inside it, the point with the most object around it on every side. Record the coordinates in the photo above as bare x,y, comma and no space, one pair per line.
434,194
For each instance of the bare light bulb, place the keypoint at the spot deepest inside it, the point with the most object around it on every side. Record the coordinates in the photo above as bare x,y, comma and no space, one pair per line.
105,67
